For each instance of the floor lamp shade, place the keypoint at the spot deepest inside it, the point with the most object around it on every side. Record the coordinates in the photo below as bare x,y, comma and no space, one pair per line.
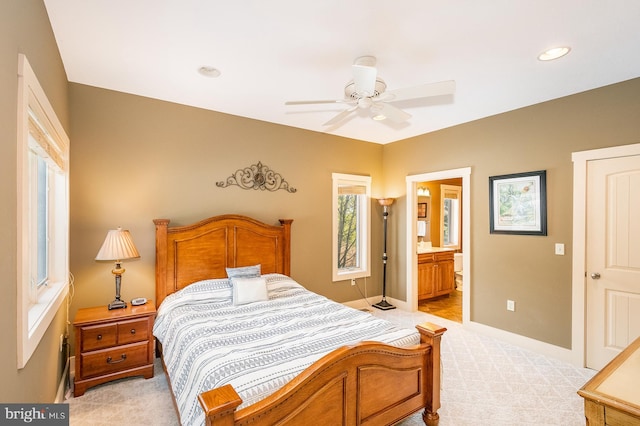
383,304
118,246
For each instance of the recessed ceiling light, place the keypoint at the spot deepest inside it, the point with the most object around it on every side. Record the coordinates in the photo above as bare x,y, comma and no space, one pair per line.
554,53
209,71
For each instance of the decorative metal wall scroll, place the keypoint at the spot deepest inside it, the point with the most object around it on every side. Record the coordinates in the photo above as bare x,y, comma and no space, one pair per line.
257,176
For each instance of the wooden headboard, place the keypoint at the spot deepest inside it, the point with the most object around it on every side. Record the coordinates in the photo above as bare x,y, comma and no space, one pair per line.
186,254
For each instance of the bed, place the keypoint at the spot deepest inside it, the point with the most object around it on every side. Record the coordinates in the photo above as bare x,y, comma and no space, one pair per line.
287,356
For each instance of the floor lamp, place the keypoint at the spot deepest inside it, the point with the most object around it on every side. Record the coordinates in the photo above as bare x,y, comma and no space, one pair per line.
383,304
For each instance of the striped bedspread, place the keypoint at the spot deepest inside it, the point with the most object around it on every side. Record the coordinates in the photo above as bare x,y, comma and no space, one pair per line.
208,342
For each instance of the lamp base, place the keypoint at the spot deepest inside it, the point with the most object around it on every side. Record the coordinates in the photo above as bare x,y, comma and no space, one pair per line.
384,305
117,304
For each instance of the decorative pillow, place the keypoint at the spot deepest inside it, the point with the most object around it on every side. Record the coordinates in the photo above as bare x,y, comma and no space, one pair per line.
244,272
249,290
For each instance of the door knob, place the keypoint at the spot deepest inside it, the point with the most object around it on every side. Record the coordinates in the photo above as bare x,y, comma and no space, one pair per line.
595,275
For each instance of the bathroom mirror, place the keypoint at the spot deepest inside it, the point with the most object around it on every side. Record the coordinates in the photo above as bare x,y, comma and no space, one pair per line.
423,218
451,216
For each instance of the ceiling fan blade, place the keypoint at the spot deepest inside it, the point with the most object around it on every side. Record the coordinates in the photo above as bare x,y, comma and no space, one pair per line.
428,90
330,101
338,118
390,112
364,79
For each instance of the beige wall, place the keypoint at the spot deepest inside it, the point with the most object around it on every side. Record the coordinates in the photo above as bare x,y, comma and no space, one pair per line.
540,137
24,28
135,159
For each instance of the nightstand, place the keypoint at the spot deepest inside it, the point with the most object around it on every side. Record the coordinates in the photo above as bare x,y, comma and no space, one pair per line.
112,344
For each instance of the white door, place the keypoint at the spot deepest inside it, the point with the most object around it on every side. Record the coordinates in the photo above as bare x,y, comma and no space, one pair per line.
613,257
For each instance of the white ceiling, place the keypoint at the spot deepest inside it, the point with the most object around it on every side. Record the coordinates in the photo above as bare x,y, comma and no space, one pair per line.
272,51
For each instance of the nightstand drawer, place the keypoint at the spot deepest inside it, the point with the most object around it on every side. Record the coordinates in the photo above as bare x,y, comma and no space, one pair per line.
116,359
98,336
133,331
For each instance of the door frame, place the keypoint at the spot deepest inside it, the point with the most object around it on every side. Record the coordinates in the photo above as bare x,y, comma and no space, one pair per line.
411,238
579,261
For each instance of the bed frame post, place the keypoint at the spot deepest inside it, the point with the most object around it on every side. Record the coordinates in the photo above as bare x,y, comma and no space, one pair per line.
432,334
286,224
161,259
219,406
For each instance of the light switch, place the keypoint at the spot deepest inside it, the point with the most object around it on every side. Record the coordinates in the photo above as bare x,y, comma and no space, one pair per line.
560,249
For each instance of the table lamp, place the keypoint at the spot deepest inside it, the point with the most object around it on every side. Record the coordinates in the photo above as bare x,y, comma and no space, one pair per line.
118,246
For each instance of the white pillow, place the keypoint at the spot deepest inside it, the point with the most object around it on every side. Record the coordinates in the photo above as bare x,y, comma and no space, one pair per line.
249,290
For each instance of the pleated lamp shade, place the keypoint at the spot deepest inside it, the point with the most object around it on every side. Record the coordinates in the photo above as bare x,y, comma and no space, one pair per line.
118,245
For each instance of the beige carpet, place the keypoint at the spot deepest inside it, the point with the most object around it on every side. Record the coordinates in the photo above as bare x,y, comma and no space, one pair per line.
485,382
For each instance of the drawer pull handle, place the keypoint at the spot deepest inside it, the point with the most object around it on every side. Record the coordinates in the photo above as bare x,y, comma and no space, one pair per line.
111,361
99,336
133,331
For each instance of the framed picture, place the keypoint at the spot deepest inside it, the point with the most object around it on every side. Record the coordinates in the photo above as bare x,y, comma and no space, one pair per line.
422,210
518,203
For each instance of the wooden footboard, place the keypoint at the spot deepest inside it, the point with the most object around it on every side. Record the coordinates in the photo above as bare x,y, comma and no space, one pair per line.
368,383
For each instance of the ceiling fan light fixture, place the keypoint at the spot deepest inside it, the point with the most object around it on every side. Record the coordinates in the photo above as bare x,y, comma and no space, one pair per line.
377,112
365,103
554,53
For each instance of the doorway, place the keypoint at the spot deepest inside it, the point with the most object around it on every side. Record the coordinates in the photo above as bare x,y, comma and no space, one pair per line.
412,239
582,269
440,256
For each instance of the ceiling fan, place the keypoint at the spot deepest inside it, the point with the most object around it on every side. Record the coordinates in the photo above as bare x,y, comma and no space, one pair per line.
367,91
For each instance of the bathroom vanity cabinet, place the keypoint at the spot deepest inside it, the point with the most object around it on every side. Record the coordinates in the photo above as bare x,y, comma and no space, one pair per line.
436,275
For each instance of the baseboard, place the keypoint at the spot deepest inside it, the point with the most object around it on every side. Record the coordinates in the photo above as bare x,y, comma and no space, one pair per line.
534,345
62,386
363,304
400,304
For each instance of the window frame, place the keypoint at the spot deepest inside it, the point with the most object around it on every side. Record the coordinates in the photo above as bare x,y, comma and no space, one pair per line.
39,132
364,227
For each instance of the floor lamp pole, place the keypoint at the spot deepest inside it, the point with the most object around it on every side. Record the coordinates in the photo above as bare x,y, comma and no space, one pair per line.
383,304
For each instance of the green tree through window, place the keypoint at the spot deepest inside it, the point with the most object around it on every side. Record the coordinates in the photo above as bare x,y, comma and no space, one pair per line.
348,231
351,226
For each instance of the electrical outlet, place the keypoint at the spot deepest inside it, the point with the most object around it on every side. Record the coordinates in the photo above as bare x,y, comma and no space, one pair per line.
511,305
353,281
560,249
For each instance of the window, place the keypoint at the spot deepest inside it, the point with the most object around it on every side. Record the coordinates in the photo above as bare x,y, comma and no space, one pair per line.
451,215
41,203
351,226
43,212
